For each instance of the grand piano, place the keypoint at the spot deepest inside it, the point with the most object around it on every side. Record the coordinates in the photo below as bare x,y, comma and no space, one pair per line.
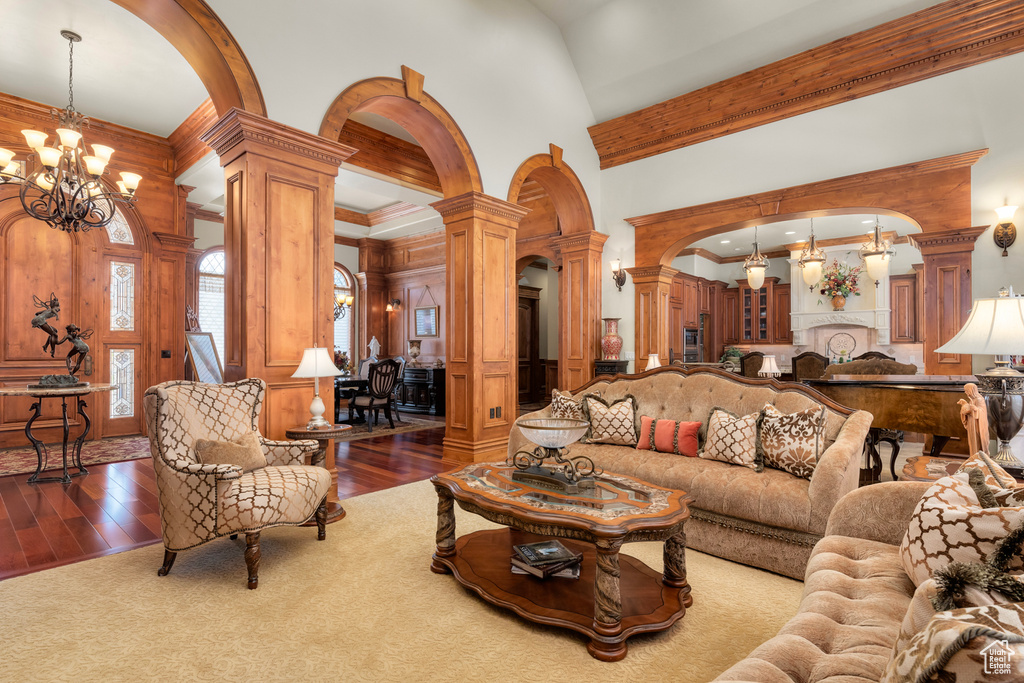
925,404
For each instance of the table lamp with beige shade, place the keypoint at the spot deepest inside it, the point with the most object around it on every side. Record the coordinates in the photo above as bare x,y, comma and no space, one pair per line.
316,363
996,327
769,368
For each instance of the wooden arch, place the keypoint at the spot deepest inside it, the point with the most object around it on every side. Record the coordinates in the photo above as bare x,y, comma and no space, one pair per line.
195,31
562,186
405,103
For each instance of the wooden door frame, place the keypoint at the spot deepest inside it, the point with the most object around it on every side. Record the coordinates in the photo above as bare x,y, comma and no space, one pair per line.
531,294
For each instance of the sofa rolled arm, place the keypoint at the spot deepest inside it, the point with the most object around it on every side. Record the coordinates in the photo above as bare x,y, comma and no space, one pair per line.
838,469
516,440
288,452
879,512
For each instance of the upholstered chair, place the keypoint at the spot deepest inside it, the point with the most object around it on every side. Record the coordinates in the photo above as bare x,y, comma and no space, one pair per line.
751,363
808,365
202,502
381,384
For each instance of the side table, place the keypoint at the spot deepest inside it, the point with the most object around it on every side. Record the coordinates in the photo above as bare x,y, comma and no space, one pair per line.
63,393
324,437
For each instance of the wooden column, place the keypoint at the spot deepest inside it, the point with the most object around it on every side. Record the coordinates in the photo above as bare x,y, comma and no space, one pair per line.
579,307
279,248
170,277
653,286
480,248
373,297
947,295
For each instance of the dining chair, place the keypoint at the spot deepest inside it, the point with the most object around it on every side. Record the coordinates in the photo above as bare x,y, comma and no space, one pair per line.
381,383
396,393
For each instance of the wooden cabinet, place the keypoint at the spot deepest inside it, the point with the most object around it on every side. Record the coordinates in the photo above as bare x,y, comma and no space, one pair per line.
675,330
730,316
691,303
706,291
755,312
782,331
903,308
422,391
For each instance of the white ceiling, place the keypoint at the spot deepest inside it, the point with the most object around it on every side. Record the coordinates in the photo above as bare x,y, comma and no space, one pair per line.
776,235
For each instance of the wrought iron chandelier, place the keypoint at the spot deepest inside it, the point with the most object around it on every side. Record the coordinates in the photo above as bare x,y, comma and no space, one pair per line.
66,191
755,266
812,261
877,252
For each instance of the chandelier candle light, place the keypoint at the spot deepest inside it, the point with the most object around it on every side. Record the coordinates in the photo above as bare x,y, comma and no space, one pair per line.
877,253
316,363
65,191
755,266
812,261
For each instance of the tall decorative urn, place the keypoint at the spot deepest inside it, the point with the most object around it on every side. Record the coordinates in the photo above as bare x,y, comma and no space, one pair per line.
611,342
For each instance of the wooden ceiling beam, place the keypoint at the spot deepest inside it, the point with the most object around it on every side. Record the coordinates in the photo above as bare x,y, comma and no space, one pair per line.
188,148
390,156
937,40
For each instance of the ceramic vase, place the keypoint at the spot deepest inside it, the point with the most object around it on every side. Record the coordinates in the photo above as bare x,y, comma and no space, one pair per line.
838,302
611,342
414,351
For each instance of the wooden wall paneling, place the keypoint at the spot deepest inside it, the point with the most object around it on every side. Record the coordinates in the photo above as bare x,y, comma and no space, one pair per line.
947,293
903,307
935,194
184,140
550,378
481,299
279,230
414,253
653,289
416,287
937,40
579,306
542,221
372,297
919,284
730,317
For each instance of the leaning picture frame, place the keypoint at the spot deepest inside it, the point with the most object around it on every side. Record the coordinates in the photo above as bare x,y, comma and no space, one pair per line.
203,358
426,321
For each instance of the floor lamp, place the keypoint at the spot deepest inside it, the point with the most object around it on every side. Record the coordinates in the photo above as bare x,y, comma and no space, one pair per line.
996,327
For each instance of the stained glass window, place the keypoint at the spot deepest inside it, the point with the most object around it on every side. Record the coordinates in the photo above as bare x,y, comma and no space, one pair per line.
211,297
122,296
118,231
122,376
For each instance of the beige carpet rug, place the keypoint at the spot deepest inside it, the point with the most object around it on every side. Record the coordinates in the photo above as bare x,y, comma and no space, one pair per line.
407,424
360,606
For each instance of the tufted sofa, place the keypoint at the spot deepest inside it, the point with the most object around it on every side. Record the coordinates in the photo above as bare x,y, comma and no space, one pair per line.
856,594
768,519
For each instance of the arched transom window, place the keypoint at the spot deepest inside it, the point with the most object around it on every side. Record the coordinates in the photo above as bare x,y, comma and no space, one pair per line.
211,297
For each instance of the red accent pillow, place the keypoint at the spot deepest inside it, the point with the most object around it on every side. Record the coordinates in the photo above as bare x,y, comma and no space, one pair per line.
668,436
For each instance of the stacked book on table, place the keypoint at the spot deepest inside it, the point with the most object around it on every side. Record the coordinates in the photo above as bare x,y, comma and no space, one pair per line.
546,558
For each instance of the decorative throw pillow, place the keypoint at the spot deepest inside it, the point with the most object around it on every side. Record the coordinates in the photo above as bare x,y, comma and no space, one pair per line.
995,476
245,452
792,442
983,643
950,524
564,406
668,436
613,423
732,439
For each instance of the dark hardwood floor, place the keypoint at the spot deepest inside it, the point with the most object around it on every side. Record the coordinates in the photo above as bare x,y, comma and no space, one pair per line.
114,507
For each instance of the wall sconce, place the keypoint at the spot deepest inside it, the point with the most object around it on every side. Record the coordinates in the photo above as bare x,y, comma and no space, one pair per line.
618,274
1005,232
342,304
393,305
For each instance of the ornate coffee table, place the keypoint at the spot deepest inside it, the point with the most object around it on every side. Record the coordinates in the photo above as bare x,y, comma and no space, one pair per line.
615,597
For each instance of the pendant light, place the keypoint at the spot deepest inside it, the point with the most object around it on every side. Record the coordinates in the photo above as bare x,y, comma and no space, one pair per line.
812,261
65,191
755,266
877,253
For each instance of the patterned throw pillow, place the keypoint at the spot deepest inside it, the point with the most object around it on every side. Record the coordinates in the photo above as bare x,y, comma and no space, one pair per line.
951,525
613,423
792,442
983,643
668,436
246,452
732,439
564,406
995,476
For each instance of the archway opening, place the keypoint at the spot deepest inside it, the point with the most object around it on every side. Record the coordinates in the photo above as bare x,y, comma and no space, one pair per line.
537,332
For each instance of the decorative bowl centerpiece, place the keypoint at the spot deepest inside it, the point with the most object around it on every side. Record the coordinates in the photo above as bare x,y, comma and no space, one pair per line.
552,435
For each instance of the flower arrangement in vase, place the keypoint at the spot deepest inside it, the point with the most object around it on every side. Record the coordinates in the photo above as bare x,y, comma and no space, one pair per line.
839,281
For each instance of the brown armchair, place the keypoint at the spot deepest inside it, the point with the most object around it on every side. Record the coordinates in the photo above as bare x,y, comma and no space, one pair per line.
199,503
808,365
751,363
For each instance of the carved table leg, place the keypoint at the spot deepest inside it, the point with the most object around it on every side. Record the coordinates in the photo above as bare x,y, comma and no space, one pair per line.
168,563
252,558
607,604
41,451
675,567
76,457
445,531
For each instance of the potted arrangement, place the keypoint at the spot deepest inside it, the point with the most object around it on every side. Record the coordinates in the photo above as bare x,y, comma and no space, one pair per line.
840,281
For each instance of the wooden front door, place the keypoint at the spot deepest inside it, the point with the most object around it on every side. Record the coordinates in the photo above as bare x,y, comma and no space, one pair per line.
530,376
98,278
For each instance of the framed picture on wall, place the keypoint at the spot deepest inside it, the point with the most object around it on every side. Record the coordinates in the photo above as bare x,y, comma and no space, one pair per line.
202,356
426,321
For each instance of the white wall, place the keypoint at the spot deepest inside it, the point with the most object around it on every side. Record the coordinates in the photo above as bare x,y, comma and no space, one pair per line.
208,234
